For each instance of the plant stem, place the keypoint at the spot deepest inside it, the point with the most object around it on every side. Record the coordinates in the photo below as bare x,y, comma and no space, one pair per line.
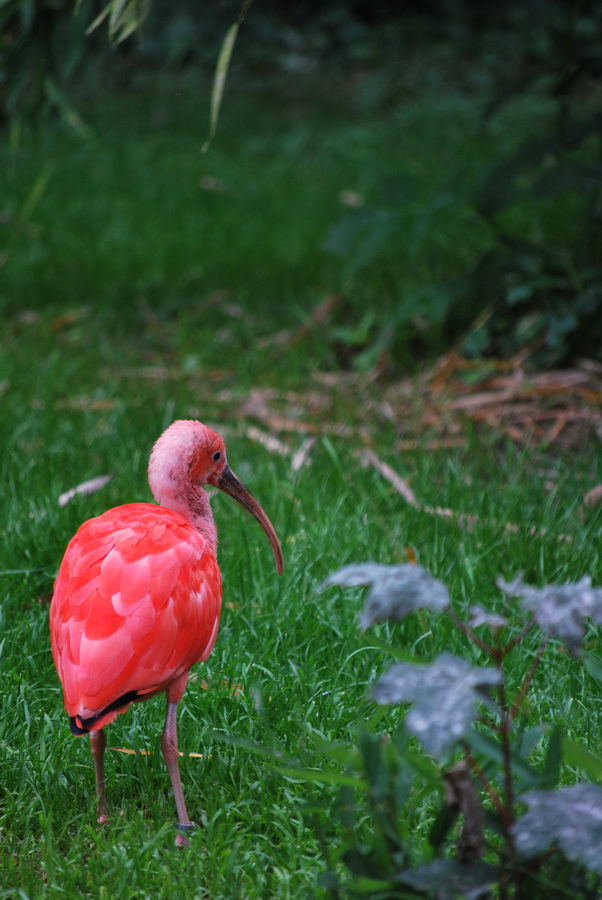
469,633
504,732
522,634
528,679
486,784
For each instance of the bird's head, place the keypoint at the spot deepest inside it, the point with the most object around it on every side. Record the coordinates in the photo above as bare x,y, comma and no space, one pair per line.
188,455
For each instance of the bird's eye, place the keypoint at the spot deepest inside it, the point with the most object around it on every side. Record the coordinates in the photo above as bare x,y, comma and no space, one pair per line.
217,456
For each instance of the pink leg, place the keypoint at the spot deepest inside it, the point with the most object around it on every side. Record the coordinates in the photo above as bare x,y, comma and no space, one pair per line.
98,742
169,745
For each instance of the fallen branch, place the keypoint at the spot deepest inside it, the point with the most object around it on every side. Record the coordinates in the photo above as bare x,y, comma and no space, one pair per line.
466,520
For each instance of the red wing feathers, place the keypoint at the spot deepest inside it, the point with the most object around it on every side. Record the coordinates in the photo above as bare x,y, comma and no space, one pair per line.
136,603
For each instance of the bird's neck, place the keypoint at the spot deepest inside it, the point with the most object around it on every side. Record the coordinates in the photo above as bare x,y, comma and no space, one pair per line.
200,516
192,503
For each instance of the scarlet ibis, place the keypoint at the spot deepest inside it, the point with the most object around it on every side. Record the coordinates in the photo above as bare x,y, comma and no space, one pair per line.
138,596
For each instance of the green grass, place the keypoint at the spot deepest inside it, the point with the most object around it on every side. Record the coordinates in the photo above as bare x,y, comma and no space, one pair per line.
131,297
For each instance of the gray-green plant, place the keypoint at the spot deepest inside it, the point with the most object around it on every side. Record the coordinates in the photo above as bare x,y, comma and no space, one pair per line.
506,825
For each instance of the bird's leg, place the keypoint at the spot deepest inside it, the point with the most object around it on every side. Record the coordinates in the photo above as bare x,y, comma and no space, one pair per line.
98,742
169,745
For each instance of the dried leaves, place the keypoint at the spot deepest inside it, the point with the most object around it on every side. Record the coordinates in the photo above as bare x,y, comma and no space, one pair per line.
84,489
554,407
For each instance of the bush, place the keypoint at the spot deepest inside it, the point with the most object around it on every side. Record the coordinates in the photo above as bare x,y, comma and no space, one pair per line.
518,828
537,288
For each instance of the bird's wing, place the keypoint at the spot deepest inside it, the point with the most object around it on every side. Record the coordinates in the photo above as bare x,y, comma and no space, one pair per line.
136,602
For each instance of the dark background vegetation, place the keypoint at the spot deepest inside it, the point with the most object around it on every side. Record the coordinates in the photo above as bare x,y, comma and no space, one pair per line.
535,285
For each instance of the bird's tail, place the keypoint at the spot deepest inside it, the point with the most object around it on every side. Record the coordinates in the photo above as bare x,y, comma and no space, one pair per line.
80,725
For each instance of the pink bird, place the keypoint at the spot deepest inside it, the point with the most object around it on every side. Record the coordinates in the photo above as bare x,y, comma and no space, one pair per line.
138,596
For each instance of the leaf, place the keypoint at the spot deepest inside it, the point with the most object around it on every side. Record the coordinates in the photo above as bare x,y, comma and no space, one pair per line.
593,497
578,756
480,616
570,817
84,489
447,877
444,821
445,694
394,592
360,236
221,72
560,610
568,175
125,17
553,760
488,747
219,80
593,664
320,776
374,763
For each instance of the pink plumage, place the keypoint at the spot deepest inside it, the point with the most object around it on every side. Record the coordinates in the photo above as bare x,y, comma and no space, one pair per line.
138,595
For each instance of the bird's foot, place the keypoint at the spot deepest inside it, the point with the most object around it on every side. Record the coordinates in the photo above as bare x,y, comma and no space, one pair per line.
104,817
183,830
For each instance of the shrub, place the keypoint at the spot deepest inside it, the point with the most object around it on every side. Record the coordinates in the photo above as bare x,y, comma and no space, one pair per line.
519,831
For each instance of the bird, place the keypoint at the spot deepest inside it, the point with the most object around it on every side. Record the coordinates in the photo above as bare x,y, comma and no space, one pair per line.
138,594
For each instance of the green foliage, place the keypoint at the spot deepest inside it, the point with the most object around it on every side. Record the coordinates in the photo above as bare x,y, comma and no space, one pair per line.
538,285
477,843
544,287
541,282
41,46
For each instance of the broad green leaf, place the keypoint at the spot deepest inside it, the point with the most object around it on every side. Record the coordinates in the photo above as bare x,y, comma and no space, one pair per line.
488,747
374,763
578,756
568,175
593,664
553,760
445,819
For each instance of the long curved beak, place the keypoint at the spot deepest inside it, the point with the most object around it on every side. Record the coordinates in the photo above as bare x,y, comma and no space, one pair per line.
229,484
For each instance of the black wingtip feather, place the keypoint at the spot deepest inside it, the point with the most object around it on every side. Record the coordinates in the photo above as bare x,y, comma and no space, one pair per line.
75,728
81,726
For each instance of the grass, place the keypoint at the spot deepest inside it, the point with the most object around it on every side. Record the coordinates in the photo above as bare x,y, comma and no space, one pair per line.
132,296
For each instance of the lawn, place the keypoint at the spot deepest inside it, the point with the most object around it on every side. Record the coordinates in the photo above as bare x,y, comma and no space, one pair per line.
143,281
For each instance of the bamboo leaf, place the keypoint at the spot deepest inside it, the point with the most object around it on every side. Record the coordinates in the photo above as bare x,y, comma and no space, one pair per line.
219,79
